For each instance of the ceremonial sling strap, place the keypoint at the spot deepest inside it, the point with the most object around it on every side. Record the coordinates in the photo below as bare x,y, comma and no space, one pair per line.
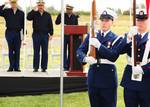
147,51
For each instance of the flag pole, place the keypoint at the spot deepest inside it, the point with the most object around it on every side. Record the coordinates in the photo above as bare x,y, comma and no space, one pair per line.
24,35
92,50
134,37
135,77
62,51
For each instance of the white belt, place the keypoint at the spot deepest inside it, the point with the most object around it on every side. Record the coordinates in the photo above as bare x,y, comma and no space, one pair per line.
105,61
130,61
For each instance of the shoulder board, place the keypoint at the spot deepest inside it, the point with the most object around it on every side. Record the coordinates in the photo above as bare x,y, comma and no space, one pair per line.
118,37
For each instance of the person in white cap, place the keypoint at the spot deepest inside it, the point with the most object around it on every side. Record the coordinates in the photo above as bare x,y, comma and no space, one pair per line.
136,80
14,18
42,33
70,19
102,76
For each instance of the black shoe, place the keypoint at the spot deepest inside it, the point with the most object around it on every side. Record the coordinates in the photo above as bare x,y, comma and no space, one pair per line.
35,70
43,70
10,70
66,69
17,70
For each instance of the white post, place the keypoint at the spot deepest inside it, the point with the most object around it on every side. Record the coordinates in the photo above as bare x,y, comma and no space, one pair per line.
131,2
31,5
62,51
24,36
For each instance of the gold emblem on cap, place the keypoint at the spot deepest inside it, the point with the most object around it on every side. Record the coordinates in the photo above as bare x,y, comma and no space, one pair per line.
141,13
104,13
40,1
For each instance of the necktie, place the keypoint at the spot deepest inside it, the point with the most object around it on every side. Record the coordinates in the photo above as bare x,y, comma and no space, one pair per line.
102,35
139,36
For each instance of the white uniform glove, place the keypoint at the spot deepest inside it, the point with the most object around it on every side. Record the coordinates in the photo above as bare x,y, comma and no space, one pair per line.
90,60
138,70
35,8
95,42
22,35
133,31
7,2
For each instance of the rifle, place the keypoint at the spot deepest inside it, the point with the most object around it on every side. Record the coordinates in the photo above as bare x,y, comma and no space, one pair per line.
92,50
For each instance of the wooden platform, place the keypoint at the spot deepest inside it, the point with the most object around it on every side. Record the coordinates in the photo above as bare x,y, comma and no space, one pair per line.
30,73
31,83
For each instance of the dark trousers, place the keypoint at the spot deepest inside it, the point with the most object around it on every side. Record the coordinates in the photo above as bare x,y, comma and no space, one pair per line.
134,98
66,52
40,41
14,44
102,97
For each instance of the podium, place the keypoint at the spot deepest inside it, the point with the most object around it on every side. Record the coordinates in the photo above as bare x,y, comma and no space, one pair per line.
76,37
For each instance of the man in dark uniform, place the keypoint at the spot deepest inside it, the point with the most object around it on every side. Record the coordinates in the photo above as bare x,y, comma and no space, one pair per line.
136,80
70,19
42,33
14,18
102,76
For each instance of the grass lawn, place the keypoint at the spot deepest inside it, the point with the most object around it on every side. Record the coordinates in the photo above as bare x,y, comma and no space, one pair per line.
72,99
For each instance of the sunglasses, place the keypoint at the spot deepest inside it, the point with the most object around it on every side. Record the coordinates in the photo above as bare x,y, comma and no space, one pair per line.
40,5
13,2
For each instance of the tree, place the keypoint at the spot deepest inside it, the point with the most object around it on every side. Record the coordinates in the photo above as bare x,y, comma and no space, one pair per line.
52,10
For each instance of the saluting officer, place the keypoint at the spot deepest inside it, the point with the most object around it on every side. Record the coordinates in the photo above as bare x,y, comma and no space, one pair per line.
42,33
136,80
14,18
70,19
102,76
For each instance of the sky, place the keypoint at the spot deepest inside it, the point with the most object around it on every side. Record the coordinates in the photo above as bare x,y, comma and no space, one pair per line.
84,5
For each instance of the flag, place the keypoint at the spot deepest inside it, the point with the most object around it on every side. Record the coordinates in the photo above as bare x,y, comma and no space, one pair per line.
148,7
